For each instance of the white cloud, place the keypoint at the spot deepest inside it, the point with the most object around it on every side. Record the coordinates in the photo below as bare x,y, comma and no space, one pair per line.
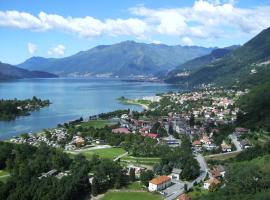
58,50
204,19
32,48
156,42
187,41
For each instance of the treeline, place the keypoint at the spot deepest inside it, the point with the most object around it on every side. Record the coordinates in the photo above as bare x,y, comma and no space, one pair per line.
181,158
10,109
116,113
26,163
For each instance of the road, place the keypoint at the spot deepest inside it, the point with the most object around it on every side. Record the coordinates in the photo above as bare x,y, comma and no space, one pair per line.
178,186
236,144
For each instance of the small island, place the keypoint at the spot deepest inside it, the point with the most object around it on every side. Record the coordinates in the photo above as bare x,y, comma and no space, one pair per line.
10,109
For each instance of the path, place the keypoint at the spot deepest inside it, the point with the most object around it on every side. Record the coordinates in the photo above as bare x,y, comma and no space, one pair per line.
120,156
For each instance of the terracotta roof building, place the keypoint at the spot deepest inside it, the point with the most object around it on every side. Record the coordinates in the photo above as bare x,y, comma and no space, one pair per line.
121,130
159,183
183,197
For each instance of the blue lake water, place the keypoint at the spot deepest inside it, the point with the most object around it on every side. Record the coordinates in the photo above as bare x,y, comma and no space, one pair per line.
71,99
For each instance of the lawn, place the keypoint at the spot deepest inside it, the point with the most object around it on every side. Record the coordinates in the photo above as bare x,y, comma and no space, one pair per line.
131,196
96,123
135,186
140,160
110,153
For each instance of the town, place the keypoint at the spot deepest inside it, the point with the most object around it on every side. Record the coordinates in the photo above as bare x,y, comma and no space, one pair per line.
204,117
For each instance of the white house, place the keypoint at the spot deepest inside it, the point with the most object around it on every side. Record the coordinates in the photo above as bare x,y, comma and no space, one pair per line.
176,173
159,183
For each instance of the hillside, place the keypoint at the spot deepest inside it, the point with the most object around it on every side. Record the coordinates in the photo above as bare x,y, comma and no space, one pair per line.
11,72
122,59
199,62
242,63
255,108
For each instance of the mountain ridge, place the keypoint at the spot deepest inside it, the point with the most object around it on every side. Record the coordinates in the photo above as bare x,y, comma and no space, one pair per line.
8,72
120,59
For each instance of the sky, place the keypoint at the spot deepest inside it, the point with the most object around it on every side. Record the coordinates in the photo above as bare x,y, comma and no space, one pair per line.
60,28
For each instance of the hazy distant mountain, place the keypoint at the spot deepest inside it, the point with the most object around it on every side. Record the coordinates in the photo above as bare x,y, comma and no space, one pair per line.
247,64
11,72
121,59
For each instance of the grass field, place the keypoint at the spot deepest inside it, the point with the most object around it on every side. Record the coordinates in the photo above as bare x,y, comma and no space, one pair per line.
96,123
131,196
110,153
135,186
3,176
140,160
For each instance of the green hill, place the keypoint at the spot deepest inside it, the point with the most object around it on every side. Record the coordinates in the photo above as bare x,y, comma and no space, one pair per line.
237,67
256,108
197,63
245,180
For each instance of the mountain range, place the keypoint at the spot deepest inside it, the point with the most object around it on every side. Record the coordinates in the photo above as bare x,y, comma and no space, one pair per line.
8,71
123,59
248,64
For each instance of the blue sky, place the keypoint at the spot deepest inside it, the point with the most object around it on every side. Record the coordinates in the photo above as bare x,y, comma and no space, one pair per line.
64,27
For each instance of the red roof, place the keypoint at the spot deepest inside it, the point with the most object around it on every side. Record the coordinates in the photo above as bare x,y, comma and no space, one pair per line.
215,173
196,142
159,180
121,130
241,130
151,135
183,197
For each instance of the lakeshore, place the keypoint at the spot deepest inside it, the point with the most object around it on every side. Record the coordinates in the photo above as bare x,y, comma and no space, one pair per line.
71,99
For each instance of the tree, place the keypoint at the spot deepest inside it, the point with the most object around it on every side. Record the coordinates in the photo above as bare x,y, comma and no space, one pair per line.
95,187
185,187
192,120
132,175
146,176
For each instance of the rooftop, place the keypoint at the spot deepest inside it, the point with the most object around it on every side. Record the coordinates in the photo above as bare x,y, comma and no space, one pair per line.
159,180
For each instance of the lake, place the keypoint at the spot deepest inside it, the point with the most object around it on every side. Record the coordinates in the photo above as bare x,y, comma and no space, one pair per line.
71,98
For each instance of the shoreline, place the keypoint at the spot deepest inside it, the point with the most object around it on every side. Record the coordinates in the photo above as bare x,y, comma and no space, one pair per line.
126,101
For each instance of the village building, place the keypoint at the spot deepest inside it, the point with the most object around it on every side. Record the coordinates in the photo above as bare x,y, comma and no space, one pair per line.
226,147
121,130
183,196
209,182
159,183
176,173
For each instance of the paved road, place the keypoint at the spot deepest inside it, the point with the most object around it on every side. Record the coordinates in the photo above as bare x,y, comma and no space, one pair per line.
178,186
236,144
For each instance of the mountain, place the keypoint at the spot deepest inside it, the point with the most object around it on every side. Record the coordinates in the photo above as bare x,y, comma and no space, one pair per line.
121,59
199,62
241,65
8,71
